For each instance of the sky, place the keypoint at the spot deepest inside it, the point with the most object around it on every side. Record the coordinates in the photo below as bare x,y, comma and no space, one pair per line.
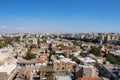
59,15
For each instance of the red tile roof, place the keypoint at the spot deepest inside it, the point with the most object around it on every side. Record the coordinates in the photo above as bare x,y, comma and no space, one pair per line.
55,47
88,79
34,50
41,60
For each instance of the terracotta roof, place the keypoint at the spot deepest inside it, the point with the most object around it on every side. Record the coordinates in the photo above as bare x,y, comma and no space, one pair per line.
41,60
34,50
1,39
55,47
69,48
88,79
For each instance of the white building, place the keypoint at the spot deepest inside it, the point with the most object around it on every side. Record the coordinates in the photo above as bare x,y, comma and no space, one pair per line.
8,72
87,60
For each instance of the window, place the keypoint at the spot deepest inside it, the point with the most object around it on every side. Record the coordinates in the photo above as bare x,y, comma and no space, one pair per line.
62,68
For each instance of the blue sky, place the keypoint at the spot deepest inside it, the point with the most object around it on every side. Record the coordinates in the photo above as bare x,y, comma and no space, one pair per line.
59,15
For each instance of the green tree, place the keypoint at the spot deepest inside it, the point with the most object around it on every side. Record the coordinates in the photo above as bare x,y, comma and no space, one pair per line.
25,36
70,56
76,59
16,38
38,41
29,56
113,59
2,45
52,52
8,40
82,54
32,46
61,45
96,51
46,51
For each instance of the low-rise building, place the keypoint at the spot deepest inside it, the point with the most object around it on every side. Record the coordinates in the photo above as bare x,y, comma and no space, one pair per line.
8,72
87,60
63,64
86,71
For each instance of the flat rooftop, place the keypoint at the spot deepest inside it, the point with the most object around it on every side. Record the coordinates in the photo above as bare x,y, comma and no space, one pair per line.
7,68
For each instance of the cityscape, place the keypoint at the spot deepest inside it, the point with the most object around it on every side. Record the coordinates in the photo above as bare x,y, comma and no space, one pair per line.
59,40
57,56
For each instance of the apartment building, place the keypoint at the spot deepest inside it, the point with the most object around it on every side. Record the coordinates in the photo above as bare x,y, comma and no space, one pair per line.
8,72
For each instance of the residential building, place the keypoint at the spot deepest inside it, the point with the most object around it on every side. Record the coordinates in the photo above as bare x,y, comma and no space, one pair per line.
8,71
63,64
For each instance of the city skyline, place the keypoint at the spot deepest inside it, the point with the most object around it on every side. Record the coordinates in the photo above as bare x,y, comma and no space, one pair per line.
59,16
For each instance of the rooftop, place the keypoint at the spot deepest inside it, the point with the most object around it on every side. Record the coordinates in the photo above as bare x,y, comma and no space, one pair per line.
88,79
63,78
7,68
45,69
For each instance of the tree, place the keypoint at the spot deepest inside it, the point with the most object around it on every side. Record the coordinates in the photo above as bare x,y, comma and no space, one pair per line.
96,51
2,45
24,36
32,46
46,51
82,54
76,59
61,45
29,56
38,41
8,40
113,59
70,56
16,38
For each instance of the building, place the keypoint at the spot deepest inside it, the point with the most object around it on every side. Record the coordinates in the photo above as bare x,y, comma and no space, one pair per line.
107,38
8,72
87,60
46,73
62,78
27,73
89,72
86,71
33,62
63,64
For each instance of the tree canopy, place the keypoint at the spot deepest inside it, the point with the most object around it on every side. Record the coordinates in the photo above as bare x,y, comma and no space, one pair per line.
82,54
96,51
113,59
32,46
76,59
61,45
29,56
2,45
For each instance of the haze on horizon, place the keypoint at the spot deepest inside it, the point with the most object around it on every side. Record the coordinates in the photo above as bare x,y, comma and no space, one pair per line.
59,15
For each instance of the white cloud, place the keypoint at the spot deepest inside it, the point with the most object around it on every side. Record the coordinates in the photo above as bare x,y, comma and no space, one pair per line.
3,27
19,28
